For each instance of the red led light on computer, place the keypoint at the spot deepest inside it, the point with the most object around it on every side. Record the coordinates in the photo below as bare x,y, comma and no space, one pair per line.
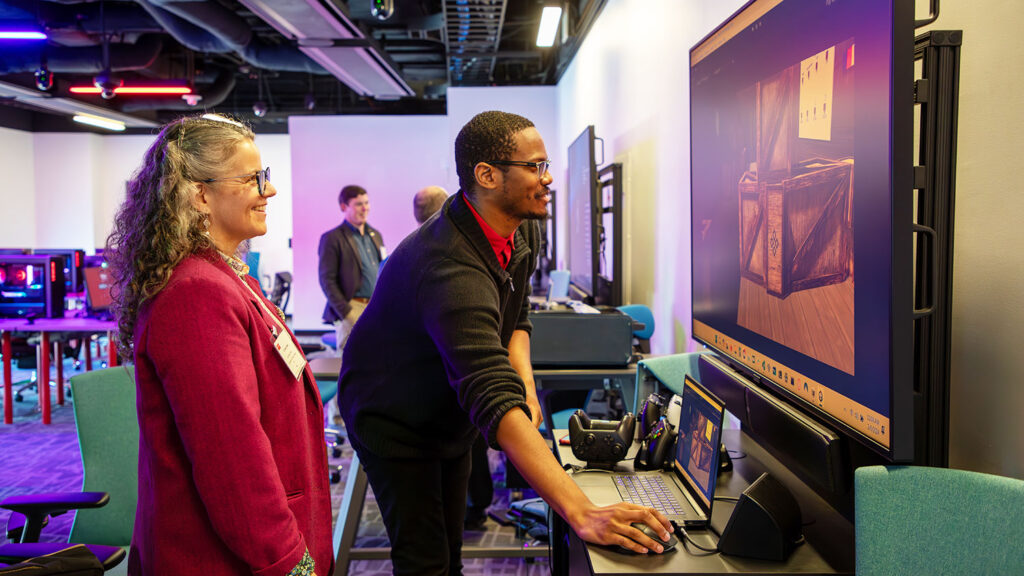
53,271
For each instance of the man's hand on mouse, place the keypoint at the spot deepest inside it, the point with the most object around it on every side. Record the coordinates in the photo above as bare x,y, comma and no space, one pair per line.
611,526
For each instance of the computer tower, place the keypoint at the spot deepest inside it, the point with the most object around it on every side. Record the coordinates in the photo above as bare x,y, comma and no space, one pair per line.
31,285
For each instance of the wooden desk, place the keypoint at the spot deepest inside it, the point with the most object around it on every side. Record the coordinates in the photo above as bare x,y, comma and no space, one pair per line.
829,546
45,326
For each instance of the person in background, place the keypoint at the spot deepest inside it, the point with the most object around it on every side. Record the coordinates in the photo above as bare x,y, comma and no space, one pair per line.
231,451
350,257
442,355
427,202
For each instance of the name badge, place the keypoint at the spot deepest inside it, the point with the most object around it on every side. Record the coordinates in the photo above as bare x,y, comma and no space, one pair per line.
291,355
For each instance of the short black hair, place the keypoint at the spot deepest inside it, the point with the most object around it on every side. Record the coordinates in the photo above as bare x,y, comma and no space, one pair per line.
349,192
487,136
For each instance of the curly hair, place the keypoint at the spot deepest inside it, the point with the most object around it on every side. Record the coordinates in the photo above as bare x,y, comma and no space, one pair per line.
158,226
487,136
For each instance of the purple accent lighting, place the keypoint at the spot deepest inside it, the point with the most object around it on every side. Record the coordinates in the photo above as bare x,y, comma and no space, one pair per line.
22,35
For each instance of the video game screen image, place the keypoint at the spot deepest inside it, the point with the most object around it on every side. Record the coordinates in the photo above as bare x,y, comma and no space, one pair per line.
700,432
791,200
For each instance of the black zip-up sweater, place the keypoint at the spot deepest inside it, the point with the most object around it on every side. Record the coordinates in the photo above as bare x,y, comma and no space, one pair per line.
427,362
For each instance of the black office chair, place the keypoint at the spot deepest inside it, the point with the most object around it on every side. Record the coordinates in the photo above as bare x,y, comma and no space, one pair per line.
282,289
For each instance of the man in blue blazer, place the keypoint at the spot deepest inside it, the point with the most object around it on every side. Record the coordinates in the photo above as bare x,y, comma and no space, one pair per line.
350,255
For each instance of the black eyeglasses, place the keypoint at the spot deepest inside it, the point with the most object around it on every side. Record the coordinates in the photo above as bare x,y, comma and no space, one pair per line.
262,177
542,166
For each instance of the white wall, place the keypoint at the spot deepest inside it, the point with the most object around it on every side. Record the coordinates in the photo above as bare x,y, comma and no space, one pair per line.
62,190
986,396
630,79
17,194
537,103
391,156
275,252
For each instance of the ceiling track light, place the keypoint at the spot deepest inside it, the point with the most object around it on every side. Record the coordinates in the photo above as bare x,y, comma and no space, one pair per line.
99,122
548,28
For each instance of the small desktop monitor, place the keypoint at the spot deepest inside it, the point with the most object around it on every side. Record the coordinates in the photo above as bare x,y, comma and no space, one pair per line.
97,291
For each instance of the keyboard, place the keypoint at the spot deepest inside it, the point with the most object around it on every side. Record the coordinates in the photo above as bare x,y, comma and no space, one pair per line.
581,308
649,491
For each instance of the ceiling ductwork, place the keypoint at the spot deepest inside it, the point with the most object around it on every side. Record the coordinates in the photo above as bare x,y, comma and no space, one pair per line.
83,60
324,31
209,27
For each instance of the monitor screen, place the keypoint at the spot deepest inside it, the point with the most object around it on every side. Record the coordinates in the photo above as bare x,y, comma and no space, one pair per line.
793,208
582,185
700,434
97,289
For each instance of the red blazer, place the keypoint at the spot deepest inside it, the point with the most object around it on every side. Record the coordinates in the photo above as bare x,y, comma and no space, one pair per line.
232,462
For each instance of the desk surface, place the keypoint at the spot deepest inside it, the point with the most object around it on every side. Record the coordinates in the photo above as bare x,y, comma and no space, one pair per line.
58,325
828,549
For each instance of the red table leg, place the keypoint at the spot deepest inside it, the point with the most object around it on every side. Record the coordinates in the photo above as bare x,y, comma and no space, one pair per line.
59,359
88,352
111,350
43,378
8,383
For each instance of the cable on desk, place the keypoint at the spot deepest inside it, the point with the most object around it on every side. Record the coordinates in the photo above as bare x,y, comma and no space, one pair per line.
687,538
727,498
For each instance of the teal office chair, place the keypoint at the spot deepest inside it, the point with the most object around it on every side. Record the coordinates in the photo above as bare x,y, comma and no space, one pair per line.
920,520
327,383
108,436
640,314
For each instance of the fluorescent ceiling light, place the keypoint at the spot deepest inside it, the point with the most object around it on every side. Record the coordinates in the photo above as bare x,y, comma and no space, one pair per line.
22,35
99,122
548,26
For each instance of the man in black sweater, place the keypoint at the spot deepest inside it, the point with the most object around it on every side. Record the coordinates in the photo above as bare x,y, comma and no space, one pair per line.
442,354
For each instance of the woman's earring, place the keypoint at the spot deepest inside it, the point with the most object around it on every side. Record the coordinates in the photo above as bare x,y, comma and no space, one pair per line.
206,225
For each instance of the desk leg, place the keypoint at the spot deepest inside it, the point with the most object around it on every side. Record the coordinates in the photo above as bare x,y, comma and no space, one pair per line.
111,350
43,375
87,347
58,357
8,383
351,511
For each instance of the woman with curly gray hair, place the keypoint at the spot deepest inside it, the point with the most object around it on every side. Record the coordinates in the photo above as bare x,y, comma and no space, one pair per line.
232,465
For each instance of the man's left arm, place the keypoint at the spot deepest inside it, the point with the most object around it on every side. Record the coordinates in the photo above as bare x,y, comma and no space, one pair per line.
519,357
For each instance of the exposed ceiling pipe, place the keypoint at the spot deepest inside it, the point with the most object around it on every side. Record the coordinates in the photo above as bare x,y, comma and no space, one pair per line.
84,60
212,96
209,27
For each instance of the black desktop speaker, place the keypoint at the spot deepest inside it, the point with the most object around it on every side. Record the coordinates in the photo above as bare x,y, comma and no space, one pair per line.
765,523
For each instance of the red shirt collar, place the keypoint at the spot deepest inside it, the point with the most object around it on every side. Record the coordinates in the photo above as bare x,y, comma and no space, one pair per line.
502,246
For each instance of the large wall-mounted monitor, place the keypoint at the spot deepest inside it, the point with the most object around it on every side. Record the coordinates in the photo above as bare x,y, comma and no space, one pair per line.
583,215
801,142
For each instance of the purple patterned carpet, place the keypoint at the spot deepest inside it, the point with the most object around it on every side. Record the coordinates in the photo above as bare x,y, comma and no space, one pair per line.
36,458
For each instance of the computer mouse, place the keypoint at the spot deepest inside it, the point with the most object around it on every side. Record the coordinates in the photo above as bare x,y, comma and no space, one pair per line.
666,545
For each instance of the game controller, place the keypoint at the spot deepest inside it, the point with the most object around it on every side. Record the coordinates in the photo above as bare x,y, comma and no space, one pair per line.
600,442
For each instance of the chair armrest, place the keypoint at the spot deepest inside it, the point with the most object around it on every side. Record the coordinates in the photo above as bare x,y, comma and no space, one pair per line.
36,507
109,556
